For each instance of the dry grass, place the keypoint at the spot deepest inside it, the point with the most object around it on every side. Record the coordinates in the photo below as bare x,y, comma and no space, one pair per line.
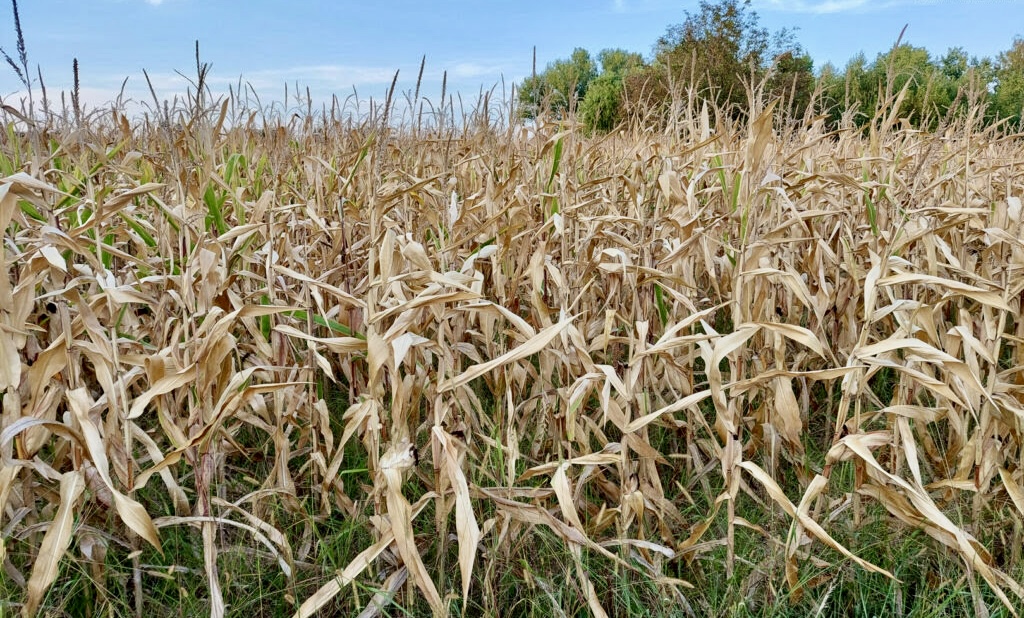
629,346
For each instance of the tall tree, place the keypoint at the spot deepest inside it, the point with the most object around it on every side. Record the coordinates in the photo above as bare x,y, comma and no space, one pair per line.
955,63
791,78
560,87
931,85
619,61
1008,98
602,107
719,49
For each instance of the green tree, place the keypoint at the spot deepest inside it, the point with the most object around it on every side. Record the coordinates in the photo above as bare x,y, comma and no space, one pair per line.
720,48
832,82
560,87
931,86
646,93
1008,98
603,105
860,86
601,109
964,78
911,68
955,63
791,78
619,61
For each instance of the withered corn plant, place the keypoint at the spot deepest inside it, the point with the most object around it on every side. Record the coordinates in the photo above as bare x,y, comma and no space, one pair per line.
632,344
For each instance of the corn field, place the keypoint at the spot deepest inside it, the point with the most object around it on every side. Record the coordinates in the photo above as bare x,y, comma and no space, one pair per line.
470,338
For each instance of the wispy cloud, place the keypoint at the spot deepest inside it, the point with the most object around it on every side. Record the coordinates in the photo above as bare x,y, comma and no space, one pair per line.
831,6
470,70
330,76
634,7
835,6
807,6
336,76
819,7
322,80
155,2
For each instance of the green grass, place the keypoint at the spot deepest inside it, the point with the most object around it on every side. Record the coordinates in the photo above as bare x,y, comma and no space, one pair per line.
531,576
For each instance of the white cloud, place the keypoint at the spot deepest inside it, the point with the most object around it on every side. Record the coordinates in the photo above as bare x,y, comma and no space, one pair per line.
474,69
155,2
643,6
322,80
316,77
324,75
831,6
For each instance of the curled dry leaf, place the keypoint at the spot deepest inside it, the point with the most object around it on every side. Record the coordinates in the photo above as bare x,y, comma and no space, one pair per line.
132,513
55,541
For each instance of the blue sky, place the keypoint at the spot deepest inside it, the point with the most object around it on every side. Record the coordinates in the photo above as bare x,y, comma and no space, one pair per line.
332,46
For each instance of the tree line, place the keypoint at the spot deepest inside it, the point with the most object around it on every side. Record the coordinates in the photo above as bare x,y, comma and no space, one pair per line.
722,54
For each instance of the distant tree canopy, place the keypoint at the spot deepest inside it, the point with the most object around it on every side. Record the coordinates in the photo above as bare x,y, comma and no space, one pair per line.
1008,98
561,86
720,53
721,50
575,84
925,88
602,108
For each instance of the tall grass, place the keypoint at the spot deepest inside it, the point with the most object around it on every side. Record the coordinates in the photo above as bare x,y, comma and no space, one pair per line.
452,358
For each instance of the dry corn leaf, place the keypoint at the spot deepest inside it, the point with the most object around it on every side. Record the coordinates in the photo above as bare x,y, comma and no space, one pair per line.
164,385
466,528
1013,489
132,513
392,464
55,542
804,519
331,589
563,491
985,297
584,580
7,475
797,333
786,413
964,543
530,347
338,345
610,454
